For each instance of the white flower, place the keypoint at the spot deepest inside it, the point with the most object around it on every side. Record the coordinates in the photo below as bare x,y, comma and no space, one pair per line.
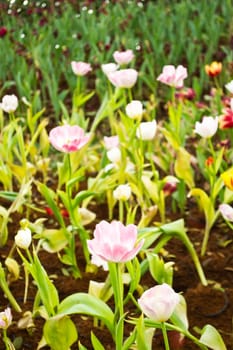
122,192
9,103
134,109
23,238
114,155
109,68
227,211
146,130
229,86
207,128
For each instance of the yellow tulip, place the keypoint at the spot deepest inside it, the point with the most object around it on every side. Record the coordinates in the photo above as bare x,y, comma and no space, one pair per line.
227,178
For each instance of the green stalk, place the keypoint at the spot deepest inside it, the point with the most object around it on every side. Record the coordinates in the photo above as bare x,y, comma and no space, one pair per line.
6,290
165,337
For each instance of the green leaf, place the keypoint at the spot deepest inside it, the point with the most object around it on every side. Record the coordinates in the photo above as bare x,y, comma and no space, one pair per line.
60,332
54,240
49,196
179,317
82,303
183,168
96,343
144,336
211,338
47,291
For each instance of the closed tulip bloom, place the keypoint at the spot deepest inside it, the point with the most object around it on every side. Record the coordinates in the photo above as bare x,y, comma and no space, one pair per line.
123,57
123,78
227,211
3,32
80,68
207,128
213,69
226,119
23,238
173,76
146,130
111,141
9,103
229,86
67,138
114,155
134,109
158,303
5,318
122,192
114,242
227,178
109,68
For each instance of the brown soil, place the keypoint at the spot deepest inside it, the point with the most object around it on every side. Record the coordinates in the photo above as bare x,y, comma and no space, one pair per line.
206,305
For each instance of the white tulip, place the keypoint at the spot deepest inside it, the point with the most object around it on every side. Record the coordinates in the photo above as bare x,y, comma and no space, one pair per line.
229,86
207,128
134,109
146,130
114,155
109,68
9,103
122,192
23,238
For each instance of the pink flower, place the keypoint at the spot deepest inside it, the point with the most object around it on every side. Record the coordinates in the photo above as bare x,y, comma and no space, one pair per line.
159,302
114,242
123,78
227,211
67,138
111,141
5,318
173,76
80,68
123,57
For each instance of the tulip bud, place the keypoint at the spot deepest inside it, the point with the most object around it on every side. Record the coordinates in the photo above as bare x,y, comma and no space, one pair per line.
114,155
134,109
5,318
146,130
227,211
23,238
122,192
9,103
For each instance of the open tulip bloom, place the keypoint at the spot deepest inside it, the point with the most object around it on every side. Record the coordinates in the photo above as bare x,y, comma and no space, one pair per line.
207,128
173,76
68,138
115,244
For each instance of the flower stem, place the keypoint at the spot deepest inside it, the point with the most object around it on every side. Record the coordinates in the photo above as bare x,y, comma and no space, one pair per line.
165,337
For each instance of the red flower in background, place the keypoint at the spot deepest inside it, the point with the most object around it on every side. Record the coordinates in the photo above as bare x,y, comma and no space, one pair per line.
226,119
3,32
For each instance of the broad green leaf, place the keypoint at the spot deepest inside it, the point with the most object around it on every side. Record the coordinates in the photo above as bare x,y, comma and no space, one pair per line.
54,240
60,332
182,167
82,303
144,336
205,204
212,338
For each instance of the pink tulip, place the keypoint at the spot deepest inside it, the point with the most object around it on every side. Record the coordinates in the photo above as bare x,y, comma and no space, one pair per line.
123,78
227,211
80,68
111,141
173,76
114,242
158,303
123,57
67,138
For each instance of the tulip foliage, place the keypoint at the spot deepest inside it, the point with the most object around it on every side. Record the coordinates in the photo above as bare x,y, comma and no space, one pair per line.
105,152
